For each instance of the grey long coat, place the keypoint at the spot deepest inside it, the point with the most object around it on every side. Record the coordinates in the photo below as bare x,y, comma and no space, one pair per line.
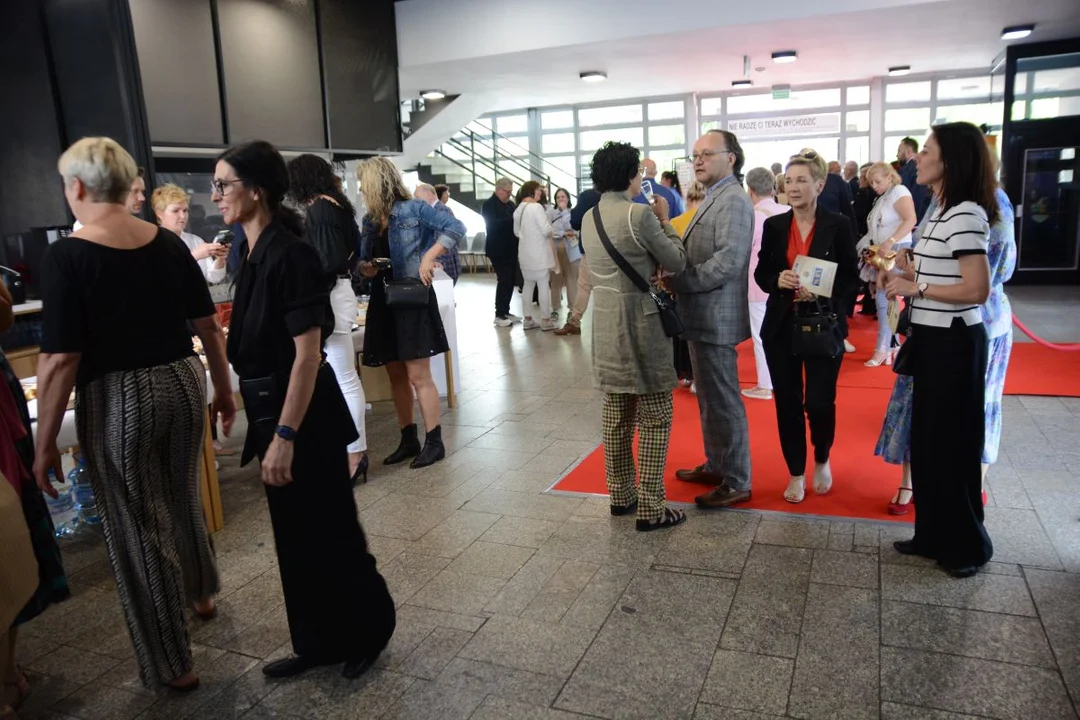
631,353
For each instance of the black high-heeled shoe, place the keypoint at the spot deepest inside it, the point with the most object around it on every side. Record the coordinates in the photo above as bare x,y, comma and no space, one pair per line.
361,471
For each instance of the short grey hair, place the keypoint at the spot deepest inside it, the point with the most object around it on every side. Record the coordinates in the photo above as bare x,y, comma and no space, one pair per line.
425,187
104,168
504,183
761,181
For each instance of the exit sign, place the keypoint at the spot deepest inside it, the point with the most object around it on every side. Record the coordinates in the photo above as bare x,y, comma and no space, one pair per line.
781,93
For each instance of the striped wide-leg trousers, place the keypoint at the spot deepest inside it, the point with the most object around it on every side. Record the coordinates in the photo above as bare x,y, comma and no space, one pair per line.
651,416
142,433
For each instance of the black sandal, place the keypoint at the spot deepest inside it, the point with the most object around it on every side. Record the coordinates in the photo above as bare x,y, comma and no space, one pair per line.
670,518
620,510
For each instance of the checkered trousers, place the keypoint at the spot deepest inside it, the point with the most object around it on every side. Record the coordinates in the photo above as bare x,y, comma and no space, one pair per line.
651,416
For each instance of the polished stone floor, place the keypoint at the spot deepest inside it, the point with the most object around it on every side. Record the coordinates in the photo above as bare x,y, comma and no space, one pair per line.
519,604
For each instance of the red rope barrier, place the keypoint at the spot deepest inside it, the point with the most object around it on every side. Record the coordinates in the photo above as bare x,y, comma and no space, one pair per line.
1040,341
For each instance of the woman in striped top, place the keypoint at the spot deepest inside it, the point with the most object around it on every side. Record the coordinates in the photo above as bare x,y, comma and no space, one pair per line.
947,352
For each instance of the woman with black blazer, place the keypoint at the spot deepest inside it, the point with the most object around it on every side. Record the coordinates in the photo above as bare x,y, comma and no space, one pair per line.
812,231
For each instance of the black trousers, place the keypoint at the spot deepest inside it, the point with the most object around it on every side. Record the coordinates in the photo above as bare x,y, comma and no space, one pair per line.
948,426
505,271
795,405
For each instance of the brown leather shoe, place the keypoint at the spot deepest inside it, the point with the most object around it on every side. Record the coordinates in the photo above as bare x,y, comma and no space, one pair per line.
570,328
699,475
722,496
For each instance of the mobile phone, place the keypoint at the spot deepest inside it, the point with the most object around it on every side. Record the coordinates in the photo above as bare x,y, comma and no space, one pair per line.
647,189
382,263
224,237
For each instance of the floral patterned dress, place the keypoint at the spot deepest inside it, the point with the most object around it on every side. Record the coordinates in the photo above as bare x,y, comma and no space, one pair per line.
894,442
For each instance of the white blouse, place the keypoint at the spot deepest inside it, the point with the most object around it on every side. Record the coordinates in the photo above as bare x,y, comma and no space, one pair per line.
212,274
534,232
884,220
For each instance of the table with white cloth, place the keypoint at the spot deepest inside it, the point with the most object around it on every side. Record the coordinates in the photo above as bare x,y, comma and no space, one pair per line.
208,477
444,368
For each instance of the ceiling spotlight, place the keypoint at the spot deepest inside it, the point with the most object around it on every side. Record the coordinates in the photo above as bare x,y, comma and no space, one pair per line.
899,70
1015,32
593,76
433,94
742,83
785,56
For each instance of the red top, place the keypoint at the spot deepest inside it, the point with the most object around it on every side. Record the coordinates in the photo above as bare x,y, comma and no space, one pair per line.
795,244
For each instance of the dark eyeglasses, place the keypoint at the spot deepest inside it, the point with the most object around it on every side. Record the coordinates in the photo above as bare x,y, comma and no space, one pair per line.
221,186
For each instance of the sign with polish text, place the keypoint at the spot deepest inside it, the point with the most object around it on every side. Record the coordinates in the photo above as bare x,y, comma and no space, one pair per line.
790,126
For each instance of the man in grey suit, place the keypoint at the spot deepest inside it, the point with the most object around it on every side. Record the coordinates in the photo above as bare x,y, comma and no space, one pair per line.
712,304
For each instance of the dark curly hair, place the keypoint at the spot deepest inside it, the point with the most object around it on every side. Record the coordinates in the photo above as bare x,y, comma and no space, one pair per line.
614,166
310,176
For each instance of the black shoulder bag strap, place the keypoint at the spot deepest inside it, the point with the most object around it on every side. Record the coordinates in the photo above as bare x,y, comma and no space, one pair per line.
626,267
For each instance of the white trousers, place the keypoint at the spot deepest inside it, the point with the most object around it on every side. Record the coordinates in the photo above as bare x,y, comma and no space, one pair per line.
342,358
757,316
536,279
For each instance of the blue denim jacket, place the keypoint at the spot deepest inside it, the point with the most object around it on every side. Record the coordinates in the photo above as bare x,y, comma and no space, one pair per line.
414,228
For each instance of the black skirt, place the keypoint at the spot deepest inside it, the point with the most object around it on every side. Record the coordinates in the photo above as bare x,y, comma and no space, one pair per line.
397,335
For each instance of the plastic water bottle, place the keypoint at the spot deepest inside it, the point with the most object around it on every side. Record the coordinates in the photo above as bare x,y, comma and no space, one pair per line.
62,508
82,492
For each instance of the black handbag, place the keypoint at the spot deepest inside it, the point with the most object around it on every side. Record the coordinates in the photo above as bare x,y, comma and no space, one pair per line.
669,316
406,293
816,332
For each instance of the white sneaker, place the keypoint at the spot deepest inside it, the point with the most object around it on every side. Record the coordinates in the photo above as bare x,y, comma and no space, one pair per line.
693,388
848,347
530,324
514,318
503,322
758,393
547,324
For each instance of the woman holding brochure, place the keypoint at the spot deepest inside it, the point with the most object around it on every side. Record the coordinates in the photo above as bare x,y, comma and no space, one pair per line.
814,233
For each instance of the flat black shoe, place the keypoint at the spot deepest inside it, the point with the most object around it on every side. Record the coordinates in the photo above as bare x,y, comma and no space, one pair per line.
908,547
355,668
670,518
290,666
961,572
620,510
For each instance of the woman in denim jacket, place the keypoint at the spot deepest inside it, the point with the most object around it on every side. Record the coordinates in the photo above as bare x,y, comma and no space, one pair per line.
403,339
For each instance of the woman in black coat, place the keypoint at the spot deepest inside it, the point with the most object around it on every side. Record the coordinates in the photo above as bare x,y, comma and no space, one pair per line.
811,231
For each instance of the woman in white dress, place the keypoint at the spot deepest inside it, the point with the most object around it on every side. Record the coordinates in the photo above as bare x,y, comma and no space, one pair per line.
890,223
171,204
536,253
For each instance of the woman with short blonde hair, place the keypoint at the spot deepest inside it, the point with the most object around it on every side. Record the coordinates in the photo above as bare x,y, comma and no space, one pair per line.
889,225
171,204
119,295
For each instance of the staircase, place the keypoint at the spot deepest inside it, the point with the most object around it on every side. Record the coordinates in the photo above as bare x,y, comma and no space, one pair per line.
469,164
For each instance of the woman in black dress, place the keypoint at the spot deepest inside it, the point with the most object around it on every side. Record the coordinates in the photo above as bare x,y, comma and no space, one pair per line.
411,235
331,230
337,603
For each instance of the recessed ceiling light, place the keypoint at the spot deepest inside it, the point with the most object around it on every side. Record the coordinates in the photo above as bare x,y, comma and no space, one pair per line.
899,70
1015,32
785,56
433,94
742,83
593,76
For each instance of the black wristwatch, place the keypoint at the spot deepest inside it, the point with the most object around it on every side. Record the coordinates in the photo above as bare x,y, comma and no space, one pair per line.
285,433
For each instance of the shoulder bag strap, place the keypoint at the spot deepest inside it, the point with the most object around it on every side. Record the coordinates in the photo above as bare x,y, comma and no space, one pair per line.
625,266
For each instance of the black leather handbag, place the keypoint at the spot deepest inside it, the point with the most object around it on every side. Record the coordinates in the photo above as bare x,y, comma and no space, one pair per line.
669,316
406,293
816,332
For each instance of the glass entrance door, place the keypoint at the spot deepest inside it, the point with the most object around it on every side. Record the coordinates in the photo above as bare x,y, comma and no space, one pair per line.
1050,210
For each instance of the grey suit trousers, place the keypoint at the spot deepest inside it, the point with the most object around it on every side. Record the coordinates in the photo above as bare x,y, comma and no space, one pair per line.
723,415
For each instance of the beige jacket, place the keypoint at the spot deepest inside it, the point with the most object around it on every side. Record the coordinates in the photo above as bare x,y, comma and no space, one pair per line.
631,353
18,568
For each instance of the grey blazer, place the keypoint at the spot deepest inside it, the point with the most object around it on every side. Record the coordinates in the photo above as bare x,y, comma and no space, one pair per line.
630,352
712,291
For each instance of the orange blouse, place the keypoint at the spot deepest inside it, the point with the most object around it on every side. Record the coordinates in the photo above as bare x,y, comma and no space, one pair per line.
796,245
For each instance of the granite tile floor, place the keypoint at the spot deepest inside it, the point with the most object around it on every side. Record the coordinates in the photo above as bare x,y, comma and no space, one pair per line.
518,604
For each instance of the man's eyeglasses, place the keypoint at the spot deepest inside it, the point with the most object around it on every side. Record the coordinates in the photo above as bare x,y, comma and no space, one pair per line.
221,186
705,155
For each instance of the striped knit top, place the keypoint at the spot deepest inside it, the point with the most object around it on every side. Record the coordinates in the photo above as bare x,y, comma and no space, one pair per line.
946,237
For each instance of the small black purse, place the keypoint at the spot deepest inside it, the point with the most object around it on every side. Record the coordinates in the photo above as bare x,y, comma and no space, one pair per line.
669,315
816,333
406,293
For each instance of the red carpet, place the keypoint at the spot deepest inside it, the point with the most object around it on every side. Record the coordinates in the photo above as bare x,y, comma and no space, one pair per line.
863,484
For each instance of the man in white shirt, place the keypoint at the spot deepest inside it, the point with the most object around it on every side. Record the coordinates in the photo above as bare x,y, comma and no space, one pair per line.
761,185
